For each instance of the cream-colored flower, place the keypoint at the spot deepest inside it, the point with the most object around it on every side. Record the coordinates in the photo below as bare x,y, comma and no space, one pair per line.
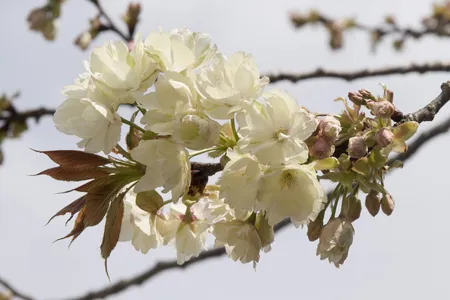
180,50
121,73
335,241
174,96
228,83
197,131
167,165
97,124
291,191
240,180
139,226
187,229
244,237
276,132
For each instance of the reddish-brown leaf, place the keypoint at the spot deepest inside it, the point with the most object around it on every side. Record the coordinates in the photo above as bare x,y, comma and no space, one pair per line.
112,226
98,185
78,227
72,208
75,160
60,173
96,208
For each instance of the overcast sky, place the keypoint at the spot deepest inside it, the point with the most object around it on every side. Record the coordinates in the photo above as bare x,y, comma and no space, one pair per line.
398,257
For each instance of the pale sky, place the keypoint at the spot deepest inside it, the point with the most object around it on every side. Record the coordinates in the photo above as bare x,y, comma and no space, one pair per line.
398,257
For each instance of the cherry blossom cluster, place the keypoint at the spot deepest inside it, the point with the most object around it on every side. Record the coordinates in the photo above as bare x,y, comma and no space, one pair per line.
189,100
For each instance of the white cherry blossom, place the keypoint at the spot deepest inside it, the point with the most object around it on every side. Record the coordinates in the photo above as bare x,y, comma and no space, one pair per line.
228,83
276,131
166,164
291,191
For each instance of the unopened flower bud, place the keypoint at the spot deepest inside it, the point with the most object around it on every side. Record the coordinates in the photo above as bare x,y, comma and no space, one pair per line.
131,17
315,228
382,109
357,147
366,94
336,35
389,19
390,96
297,19
41,19
322,148
384,137
356,98
387,204
83,40
354,209
373,202
330,127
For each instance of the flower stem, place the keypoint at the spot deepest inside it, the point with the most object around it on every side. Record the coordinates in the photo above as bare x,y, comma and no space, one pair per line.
131,124
204,151
233,127
334,207
123,152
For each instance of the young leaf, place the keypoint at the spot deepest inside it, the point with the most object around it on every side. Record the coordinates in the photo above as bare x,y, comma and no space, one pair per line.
72,208
75,160
63,174
112,226
78,227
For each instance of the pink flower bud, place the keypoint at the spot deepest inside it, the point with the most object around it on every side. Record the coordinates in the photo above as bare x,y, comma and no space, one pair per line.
357,147
387,204
130,45
373,203
322,148
382,109
329,128
384,137
356,98
315,229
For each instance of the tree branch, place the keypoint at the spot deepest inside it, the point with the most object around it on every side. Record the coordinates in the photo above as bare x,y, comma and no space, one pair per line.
14,292
36,114
110,26
364,73
428,112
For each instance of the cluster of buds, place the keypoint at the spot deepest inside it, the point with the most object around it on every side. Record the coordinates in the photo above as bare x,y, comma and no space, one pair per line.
84,39
335,28
272,152
12,125
43,19
439,20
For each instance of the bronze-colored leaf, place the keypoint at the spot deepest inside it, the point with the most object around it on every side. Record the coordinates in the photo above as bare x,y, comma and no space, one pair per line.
112,226
72,208
60,173
75,160
98,185
78,227
96,208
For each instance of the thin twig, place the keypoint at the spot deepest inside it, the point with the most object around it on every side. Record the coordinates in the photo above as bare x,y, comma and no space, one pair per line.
110,26
14,291
364,73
